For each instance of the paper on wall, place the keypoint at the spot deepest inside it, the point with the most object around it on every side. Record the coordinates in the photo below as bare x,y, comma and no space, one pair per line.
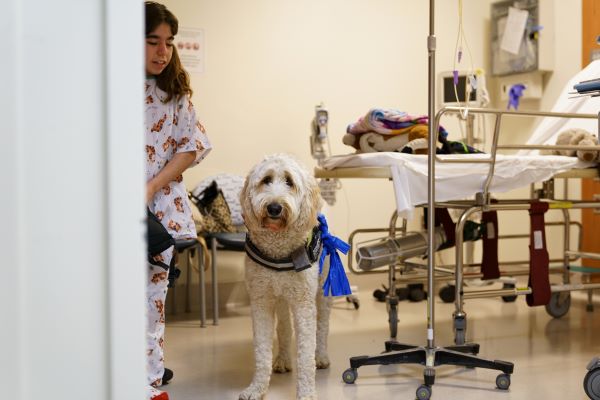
190,46
514,30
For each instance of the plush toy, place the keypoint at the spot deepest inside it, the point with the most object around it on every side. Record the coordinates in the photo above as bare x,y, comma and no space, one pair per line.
576,136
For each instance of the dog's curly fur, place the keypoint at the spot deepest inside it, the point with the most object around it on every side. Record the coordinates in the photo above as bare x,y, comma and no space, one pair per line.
280,201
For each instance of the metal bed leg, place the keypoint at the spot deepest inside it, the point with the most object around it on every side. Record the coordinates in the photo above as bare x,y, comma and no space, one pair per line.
459,316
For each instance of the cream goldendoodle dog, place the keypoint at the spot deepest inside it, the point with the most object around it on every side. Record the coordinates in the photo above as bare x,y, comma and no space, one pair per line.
280,201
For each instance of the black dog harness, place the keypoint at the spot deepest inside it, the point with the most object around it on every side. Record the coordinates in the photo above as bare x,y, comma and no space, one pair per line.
300,259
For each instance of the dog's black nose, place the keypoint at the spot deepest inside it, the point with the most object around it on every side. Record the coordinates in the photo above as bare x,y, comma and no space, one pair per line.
274,210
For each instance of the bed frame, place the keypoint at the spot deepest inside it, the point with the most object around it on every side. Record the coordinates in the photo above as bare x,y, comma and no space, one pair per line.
482,202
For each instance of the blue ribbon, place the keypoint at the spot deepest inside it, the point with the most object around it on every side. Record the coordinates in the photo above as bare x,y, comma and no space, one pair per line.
336,283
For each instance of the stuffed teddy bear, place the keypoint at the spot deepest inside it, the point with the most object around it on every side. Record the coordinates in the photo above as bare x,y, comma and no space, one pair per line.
576,136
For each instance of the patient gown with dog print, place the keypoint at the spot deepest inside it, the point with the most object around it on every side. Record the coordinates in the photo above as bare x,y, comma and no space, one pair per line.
172,128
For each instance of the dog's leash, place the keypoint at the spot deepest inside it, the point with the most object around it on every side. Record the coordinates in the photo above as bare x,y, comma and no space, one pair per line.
336,283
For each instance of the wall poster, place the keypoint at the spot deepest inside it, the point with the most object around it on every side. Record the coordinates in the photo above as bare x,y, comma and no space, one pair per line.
190,46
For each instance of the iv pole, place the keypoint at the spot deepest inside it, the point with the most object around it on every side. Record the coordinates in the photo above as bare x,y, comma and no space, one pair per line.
431,356
431,43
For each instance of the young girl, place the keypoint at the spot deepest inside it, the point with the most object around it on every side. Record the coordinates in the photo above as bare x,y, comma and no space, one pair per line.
175,140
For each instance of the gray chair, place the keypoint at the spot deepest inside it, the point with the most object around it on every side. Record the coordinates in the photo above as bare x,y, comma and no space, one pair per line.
192,251
230,185
221,241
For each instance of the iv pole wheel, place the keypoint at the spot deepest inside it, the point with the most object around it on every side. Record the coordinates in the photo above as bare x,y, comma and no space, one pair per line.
503,381
508,299
423,392
559,304
349,376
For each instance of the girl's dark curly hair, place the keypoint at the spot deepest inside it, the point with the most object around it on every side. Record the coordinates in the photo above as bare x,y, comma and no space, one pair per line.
174,80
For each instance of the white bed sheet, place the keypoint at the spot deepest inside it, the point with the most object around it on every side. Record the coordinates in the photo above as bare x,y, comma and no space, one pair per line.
455,181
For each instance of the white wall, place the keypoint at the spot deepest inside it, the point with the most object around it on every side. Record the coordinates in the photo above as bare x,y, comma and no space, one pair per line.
71,165
567,62
269,62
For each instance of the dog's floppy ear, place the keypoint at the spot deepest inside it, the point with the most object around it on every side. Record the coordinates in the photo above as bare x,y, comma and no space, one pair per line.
308,215
247,212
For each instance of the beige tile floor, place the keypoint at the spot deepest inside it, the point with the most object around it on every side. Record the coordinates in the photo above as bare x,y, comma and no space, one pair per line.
550,355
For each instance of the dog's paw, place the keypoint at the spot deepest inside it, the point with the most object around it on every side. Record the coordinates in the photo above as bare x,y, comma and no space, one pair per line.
311,397
250,393
322,361
281,365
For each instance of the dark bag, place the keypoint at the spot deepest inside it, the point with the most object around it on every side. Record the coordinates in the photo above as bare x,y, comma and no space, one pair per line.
216,215
159,239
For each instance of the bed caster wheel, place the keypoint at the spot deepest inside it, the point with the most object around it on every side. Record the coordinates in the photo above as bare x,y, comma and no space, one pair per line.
416,292
508,299
393,321
424,392
589,307
559,304
460,329
591,382
380,295
459,337
503,381
349,376
402,293
448,293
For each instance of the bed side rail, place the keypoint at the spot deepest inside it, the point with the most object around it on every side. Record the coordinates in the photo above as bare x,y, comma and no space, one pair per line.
484,197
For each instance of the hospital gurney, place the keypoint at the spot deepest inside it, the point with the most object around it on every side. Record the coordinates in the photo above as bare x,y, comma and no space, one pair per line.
461,176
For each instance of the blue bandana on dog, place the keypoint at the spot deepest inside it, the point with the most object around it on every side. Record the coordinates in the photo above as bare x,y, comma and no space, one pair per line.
336,283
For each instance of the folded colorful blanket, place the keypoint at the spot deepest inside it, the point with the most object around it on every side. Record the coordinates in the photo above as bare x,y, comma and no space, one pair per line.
388,121
392,130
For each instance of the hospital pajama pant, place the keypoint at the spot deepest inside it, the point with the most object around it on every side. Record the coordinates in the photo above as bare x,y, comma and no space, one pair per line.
156,293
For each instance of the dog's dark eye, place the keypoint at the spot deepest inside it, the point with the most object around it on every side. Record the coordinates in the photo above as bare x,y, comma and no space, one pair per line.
289,182
267,180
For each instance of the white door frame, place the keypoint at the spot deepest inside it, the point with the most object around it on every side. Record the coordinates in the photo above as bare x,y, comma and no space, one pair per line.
73,295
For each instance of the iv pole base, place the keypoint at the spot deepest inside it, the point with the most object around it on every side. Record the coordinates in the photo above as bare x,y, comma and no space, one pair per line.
459,355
